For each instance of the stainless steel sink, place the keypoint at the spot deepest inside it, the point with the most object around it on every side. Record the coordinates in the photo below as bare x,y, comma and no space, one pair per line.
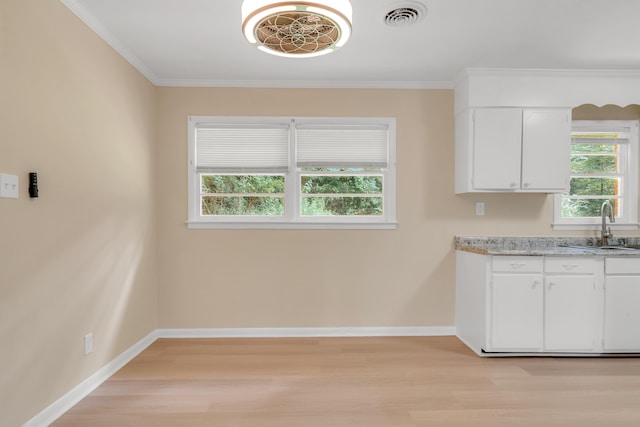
606,247
623,248
586,248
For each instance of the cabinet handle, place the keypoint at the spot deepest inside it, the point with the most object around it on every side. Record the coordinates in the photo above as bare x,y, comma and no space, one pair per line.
551,284
517,265
512,185
535,284
525,185
570,266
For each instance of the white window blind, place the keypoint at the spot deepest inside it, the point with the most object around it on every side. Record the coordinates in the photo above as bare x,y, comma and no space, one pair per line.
292,172
222,148
346,146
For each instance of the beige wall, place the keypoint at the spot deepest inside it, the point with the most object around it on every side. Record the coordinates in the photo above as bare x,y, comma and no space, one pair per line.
329,278
276,278
81,257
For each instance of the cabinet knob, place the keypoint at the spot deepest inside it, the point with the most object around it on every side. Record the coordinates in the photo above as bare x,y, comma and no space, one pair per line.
525,185
512,185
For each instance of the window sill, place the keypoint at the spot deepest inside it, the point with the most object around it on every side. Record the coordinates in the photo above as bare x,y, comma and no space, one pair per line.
270,225
614,226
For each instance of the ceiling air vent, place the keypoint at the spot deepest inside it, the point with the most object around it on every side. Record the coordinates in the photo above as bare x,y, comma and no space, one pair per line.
405,14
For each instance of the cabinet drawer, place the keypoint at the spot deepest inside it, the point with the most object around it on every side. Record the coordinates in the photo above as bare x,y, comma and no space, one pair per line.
517,264
568,265
622,265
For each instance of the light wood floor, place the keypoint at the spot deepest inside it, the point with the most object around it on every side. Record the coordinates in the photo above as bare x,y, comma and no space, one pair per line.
357,382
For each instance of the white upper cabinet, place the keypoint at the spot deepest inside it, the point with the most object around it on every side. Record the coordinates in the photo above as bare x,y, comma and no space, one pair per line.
489,155
513,149
546,149
497,148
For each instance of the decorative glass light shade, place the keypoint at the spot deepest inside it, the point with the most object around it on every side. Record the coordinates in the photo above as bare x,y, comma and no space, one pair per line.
297,28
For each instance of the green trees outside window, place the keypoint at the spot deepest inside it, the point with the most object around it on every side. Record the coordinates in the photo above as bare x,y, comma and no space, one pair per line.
333,194
341,195
594,179
243,195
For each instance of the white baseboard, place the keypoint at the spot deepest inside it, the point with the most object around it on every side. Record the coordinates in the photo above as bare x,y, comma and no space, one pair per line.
82,390
422,331
66,402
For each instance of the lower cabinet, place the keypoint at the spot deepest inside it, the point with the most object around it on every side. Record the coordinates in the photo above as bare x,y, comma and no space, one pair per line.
569,307
570,304
541,304
546,304
516,304
622,305
516,312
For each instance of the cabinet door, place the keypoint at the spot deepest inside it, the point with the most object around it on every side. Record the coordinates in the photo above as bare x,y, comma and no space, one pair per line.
622,314
546,147
516,312
497,145
569,321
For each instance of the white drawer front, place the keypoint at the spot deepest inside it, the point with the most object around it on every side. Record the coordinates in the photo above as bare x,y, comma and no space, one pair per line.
570,265
622,265
517,264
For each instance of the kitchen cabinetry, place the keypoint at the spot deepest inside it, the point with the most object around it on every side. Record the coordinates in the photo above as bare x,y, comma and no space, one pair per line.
540,304
513,149
570,304
622,305
515,315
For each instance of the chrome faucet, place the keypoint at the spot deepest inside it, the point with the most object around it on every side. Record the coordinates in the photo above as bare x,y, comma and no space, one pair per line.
606,231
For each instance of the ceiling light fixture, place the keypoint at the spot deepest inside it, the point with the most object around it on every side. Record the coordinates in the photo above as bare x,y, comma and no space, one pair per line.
298,29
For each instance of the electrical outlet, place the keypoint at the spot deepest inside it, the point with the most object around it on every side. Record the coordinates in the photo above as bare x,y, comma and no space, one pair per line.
88,344
479,208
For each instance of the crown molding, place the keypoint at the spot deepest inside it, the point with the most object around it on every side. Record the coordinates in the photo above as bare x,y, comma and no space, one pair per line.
312,84
550,72
90,20
94,24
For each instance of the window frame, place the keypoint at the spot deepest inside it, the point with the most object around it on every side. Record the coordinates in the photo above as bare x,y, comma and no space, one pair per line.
628,218
292,219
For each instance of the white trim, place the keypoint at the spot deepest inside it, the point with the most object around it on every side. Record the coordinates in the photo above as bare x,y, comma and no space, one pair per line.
292,219
547,72
629,218
283,225
79,392
315,84
90,20
106,35
406,331
614,226
82,390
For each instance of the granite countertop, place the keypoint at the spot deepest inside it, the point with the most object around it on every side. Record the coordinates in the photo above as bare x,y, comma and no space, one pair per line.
545,246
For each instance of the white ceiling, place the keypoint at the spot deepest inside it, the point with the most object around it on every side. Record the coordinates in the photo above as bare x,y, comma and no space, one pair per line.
199,42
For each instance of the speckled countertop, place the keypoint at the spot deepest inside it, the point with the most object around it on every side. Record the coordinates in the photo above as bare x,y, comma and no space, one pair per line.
545,246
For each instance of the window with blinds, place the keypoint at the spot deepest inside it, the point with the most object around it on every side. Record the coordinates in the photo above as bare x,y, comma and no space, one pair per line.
304,172
603,167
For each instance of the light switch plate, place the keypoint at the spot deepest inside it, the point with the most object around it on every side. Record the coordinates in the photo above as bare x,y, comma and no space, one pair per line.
8,186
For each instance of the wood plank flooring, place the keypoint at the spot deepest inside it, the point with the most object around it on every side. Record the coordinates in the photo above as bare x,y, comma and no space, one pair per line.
357,382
